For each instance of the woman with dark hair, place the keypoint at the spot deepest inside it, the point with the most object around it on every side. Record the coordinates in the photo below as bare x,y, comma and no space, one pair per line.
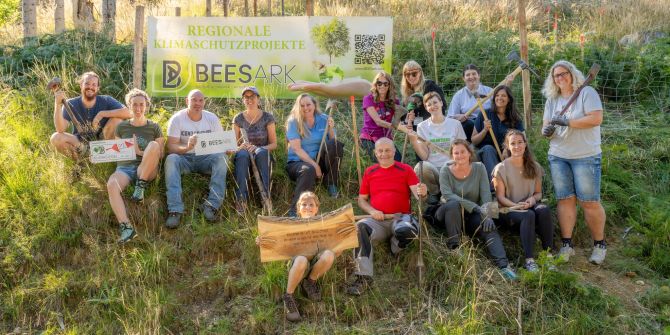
465,188
575,155
414,83
518,183
379,108
502,117
304,131
255,131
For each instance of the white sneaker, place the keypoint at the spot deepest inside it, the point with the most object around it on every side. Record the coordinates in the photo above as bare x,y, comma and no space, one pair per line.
565,252
598,255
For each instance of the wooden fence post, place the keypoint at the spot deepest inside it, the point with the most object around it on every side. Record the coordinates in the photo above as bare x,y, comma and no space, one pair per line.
255,7
208,8
138,47
525,76
282,7
177,11
225,8
59,17
246,7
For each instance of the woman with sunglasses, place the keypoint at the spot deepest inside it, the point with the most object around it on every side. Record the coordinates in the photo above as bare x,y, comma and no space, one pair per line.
575,155
256,133
379,108
414,83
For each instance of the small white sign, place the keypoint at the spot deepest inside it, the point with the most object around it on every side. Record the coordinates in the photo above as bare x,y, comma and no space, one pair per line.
112,150
213,143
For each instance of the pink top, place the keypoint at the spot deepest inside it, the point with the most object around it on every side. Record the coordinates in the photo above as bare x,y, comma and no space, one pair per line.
371,131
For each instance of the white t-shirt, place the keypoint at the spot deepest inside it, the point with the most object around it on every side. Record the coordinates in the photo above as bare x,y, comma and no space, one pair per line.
440,134
573,143
463,100
180,125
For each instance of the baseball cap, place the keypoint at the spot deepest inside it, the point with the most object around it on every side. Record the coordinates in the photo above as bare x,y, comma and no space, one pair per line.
252,89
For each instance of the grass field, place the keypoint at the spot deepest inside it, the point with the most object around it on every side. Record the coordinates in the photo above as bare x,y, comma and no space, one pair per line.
61,270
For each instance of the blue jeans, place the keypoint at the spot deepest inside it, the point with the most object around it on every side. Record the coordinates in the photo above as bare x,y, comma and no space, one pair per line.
177,165
242,162
489,157
579,177
128,170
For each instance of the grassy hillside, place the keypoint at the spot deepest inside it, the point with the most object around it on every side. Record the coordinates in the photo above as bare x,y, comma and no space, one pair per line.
61,270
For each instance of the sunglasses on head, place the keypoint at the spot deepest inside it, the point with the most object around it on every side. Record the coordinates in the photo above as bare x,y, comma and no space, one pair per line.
383,83
412,74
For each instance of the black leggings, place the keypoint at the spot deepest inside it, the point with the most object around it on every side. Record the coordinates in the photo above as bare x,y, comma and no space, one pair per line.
536,220
450,215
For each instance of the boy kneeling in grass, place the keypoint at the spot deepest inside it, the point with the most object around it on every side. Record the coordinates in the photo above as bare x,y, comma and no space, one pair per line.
301,267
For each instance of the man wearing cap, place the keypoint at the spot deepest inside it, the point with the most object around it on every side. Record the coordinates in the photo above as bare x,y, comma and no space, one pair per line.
183,129
257,137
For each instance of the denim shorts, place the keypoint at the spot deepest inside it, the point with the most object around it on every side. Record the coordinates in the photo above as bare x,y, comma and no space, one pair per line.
128,170
580,177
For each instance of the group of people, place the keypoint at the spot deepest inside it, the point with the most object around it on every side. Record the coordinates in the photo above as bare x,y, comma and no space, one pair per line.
470,154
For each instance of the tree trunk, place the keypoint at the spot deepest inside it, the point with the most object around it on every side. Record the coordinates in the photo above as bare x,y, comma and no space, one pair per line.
59,16
269,8
309,7
208,8
246,7
225,8
108,18
29,13
255,7
83,14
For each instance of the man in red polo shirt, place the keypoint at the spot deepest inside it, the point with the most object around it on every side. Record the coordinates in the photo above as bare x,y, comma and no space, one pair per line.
385,189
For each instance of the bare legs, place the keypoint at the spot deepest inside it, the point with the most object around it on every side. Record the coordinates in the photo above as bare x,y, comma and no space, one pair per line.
300,265
67,144
352,86
118,181
594,215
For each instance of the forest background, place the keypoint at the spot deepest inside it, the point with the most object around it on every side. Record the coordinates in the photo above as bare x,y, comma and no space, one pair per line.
61,271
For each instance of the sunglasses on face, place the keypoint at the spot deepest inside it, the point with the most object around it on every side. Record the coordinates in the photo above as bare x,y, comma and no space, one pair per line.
412,74
382,83
561,75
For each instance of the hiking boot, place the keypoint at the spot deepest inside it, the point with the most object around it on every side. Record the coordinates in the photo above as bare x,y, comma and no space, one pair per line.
138,194
126,231
311,289
208,212
240,207
82,150
598,254
508,273
291,306
531,266
359,285
173,220
333,192
565,252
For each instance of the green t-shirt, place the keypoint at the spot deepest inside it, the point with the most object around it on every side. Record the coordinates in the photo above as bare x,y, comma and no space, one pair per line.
144,134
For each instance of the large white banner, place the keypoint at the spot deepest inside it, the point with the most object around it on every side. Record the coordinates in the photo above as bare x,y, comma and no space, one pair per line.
220,56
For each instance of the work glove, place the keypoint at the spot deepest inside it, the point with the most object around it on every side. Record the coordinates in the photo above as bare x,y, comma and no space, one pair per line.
488,225
560,120
548,130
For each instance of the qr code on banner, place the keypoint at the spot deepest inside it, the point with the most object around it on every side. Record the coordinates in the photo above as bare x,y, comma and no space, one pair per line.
369,49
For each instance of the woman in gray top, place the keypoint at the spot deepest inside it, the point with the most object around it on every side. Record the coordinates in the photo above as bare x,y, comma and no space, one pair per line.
574,155
255,131
464,184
